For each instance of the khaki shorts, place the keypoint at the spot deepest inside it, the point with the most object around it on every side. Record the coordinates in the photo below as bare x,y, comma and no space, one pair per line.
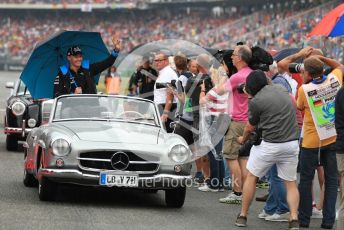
231,146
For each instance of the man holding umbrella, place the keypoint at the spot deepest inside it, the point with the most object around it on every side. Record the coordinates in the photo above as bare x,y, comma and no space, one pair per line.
77,76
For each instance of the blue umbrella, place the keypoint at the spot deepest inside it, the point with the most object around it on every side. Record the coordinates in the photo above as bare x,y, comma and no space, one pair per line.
47,56
285,53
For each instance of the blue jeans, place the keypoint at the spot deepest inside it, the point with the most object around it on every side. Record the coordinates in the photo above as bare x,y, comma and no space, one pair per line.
309,161
216,167
277,199
227,173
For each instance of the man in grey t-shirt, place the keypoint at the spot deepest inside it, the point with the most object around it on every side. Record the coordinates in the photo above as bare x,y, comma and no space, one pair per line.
272,110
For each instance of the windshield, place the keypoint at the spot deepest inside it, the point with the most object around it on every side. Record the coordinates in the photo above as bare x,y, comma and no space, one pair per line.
105,108
22,90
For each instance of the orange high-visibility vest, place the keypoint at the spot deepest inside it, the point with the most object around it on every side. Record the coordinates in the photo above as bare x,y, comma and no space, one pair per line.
113,85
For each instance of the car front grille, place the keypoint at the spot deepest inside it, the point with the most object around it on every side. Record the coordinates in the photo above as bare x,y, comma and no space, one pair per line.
101,160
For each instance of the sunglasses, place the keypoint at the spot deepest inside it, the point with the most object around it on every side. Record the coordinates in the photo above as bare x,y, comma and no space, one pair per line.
159,60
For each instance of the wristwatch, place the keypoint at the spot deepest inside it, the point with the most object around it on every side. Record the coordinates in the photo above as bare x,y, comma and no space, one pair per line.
115,52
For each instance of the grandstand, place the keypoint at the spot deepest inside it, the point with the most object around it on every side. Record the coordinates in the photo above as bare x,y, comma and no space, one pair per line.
273,25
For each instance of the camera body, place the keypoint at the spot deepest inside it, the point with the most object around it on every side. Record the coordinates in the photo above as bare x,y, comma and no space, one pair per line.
198,81
255,139
295,67
207,83
240,88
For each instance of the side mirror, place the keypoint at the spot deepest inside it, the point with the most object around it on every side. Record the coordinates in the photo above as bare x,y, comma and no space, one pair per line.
173,125
9,85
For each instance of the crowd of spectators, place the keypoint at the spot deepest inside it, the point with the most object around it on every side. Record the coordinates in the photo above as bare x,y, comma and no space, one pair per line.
278,31
272,28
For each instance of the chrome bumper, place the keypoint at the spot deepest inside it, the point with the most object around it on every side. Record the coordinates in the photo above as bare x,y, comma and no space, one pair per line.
9,130
73,176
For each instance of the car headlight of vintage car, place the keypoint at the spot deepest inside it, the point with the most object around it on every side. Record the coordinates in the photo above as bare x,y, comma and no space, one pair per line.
18,108
179,153
60,147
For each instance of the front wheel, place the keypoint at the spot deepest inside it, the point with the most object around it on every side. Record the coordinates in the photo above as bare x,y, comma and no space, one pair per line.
175,197
29,180
11,142
47,190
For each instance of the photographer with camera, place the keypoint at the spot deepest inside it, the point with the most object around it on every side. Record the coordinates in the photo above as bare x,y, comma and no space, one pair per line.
317,100
238,110
276,206
193,89
272,111
293,64
184,113
289,65
184,110
165,99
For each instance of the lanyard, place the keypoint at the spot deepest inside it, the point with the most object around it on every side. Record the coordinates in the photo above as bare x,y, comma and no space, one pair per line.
72,78
323,78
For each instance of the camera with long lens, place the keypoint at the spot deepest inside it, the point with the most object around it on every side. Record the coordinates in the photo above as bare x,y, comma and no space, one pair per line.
160,85
261,59
173,84
296,67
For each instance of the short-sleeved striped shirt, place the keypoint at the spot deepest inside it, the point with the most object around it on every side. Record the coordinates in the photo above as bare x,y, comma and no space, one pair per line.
216,103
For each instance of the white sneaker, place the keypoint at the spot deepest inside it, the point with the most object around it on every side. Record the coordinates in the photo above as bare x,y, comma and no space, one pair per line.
206,188
231,199
263,215
278,217
316,213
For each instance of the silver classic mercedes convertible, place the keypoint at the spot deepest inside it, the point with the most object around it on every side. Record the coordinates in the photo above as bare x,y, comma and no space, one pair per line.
106,141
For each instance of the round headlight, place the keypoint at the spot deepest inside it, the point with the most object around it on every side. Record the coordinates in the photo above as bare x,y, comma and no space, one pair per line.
179,153
18,108
31,122
60,147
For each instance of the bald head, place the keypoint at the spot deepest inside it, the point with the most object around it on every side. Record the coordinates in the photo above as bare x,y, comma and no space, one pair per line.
203,60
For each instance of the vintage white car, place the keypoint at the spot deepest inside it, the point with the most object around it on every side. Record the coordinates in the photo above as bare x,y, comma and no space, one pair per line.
106,141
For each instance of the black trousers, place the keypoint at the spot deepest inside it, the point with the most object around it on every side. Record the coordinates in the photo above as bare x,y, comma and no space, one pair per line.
171,115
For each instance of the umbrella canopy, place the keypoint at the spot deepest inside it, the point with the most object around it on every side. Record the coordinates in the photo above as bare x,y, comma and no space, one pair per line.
285,53
332,25
47,56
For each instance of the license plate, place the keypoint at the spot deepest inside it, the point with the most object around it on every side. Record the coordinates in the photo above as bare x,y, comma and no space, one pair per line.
118,180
